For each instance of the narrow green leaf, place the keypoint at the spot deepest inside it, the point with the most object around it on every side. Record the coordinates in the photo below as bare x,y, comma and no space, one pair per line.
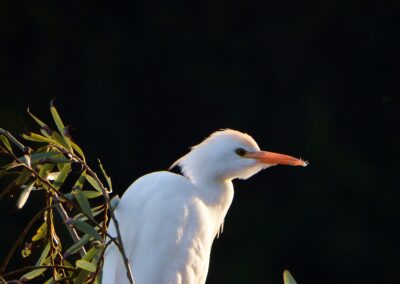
288,278
38,138
86,228
86,265
77,246
91,194
81,278
83,202
62,141
90,254
57,118
34,158
45,169
41,124
94,183
23,197
23,177
77,149
6,143
62,176
32,274
44,254
107,177
81,217
40,233
80,181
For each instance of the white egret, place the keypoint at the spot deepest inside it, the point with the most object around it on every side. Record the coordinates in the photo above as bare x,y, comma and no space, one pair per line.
168,221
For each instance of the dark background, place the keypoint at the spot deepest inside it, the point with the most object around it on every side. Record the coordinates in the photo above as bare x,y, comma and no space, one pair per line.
141,81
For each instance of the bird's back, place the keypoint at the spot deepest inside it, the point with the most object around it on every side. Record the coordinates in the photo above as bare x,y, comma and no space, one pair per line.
163,227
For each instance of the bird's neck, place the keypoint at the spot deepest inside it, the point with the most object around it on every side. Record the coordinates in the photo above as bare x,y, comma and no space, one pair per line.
217,195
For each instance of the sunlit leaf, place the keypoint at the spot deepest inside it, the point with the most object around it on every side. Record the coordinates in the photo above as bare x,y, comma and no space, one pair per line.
288,278
90,254
57,118
93,183
38,138
62,176
77,149
53,175
45,169
77,246
86,228
32,274
27,250
61,141
91,194
23,197
44,254
83,202
6,143
107,177
86,265
40,233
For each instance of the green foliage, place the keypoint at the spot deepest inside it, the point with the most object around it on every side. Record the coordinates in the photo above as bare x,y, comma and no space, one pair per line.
55,166
288,278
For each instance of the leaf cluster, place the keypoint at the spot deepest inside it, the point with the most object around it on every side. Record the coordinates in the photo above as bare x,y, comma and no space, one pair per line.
73,194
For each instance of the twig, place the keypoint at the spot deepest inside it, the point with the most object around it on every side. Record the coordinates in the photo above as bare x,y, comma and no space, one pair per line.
56,193
112,215
23,148
27,268
21,237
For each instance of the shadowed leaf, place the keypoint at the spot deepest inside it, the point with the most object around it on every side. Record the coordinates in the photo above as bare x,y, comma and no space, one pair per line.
44,126
114,202
44,254
77,246
83,202
86,228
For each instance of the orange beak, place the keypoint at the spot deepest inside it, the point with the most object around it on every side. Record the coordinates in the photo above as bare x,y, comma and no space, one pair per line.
271,158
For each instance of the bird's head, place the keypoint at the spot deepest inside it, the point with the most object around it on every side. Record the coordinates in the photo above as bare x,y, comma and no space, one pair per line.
230,154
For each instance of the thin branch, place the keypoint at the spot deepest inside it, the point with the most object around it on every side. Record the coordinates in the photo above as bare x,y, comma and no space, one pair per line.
56,193
108,202
28,268
114,219
21,237
23,148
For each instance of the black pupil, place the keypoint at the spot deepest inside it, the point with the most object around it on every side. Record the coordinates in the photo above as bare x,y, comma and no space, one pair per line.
240,151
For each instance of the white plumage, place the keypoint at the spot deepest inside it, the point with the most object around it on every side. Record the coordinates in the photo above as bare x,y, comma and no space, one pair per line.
168,222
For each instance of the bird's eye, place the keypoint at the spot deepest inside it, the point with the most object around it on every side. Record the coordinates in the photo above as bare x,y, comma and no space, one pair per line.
240,152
